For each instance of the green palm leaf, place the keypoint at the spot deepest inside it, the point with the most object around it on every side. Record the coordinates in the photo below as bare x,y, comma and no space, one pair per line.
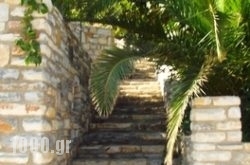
107,72
220,53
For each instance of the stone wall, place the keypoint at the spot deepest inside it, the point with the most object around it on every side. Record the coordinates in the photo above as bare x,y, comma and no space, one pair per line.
216,133
48,101
94,38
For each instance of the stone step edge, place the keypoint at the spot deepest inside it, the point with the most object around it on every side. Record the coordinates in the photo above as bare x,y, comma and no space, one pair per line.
120,155
119,117
125,125
112,149
117,161
138,135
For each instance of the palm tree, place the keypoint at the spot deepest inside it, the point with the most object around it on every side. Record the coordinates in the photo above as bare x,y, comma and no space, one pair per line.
202,40
204,35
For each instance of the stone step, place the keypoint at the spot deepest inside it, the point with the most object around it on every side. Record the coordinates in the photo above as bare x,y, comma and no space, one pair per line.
139,96
121,150
134,134
132,155
141,93
139,75
140,88
145,65
139,102
123,137
153,97
122,141
118,161
132,110
144,89
140,126
121,117
140,82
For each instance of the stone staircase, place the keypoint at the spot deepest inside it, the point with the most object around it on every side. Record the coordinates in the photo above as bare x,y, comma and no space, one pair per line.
135,132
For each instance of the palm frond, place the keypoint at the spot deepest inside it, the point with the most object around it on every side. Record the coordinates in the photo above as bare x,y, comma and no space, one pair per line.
220,52
187,88
107,72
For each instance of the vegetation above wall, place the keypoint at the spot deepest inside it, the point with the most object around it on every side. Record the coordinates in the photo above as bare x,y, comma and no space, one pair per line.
28,42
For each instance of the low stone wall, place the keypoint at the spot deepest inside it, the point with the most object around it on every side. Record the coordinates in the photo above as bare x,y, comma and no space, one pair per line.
49,102
216,133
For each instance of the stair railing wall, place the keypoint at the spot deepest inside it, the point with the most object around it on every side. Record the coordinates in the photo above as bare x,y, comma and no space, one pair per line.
216,137
45,109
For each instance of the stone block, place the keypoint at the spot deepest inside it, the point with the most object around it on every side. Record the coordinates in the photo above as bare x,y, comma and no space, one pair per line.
14,142
10,37
42,158
245,160
8,125
10,97
130,148
234,136
45,50
53,20
129,162
14,109
51,113
241,158
17,12
14,26
211,156
35,75
36,124
110,41
4,12
153,149
202,101
234,113
206,137
17,51
102,41
9,74
246,147
203,147
226,100
33,96
13,158
12,2
17,61
206,114
91,162
67,124
43,25
22,86
203,163
228,125
57,124
202,126
104,32
113,149
155,161
230,147
5,55
2,26
33,108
